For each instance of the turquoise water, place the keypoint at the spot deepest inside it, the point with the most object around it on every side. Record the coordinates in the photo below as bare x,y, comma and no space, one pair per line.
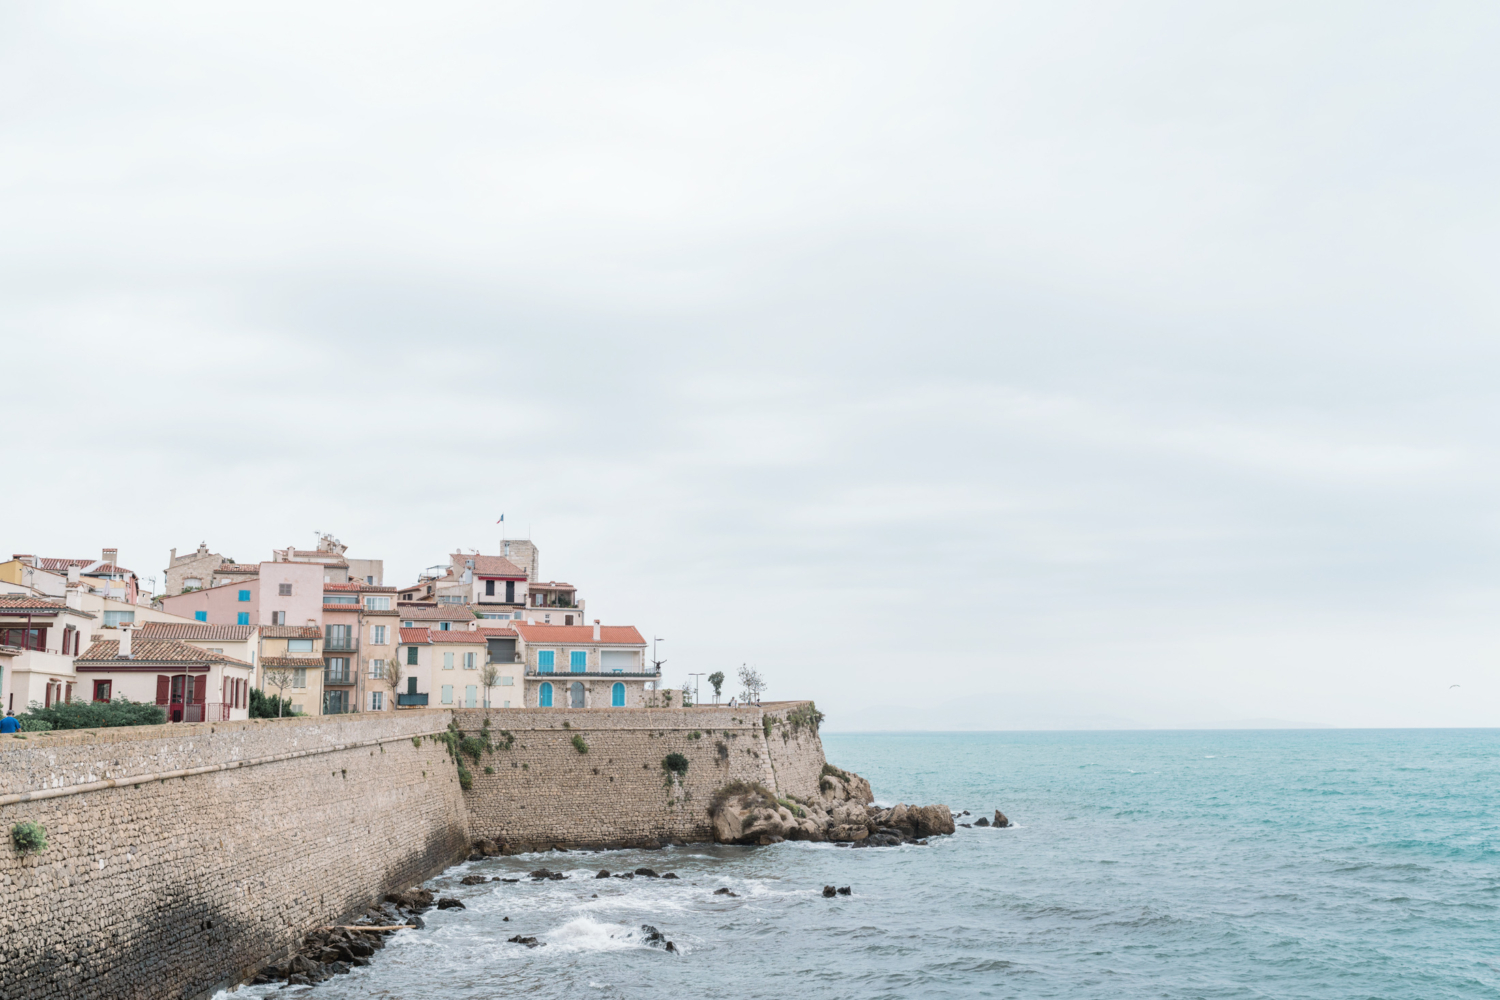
1295,864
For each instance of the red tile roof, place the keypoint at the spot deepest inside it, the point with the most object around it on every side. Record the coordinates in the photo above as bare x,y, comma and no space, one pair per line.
342,586
498,633
25,602
291,661
60,566
438,613
578,635
154,651
290,632
194,630
469,635
413,636
236,568
496,566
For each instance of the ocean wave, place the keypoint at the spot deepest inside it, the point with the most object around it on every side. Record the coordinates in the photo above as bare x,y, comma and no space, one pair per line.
587,934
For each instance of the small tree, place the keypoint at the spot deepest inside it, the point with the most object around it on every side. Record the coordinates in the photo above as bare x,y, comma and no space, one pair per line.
489,677
687,694
393,676
279,678
752,682
666,697
717,680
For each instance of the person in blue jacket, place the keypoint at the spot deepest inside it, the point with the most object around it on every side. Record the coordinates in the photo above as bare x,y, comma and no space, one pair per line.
10,724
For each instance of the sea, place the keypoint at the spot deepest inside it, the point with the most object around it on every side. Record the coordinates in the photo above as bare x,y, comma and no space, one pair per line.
1163,864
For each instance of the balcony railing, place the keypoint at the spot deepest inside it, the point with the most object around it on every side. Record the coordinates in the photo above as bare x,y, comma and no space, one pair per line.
593,672
214,711
542,601
412,699
338,677
340,643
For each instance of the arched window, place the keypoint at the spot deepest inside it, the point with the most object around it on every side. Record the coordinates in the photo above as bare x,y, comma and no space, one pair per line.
617,695
575,692
544,696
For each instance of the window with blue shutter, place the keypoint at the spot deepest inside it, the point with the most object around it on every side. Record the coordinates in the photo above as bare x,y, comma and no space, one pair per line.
243,618
244,595
545,660
617,696
544,696
201,616
578,660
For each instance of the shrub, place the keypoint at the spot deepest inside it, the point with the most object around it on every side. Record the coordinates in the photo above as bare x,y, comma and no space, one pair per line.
695,735
416,741
30,725
96,714
676,763
723,749
264,706
835,772
488,769
737,788
473,746
29,837
767,723
465,778
804,715
579,745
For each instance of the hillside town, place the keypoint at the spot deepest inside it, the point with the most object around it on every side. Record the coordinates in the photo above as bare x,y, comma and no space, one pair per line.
317,630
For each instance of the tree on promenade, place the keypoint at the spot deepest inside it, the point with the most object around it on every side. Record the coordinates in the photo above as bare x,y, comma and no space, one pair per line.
489,677
717,680
752,682
393,677
279,678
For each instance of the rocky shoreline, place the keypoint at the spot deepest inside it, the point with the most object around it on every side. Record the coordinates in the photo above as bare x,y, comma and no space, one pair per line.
742,813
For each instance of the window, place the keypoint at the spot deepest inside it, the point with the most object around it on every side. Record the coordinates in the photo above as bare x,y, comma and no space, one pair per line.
469,660
116,617
370,580
544,696
377,669
617,695
284,589
337,671
278,617
411,685
101,690
578,660
411,656
510,591
546,619
444,626
299,677
489,588
194,582
243,618
340,599
545,660
507,704
471,696
408,624
201,616
447,660
377,604
299,645
377,701
618,658
447,694
377,635
507,681
244,595
219,651
337,637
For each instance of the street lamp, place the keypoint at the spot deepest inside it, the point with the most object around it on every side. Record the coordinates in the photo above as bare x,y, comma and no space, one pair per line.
695,687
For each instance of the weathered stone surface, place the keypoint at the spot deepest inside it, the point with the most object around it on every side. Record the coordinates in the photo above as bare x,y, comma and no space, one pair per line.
1000,819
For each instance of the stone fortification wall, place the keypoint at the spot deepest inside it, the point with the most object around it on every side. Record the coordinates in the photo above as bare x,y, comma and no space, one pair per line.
180,857
793,746
544,792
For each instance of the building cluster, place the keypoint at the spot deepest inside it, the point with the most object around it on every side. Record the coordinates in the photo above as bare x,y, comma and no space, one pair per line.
315,627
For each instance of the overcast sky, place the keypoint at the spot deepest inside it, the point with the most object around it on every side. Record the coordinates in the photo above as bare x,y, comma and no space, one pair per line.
981,365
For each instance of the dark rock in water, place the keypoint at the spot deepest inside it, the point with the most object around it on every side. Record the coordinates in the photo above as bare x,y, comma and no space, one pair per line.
879,840
476,856
542,873
828,891
965,825
509,880
981,821
416,922
416,900
964,813
656,939
603,873
671,946
725,892
488,848
473,880
298,979
360,961
670,875
529,942
1000,819
361,949
626,875
328,955
845,890
646,873
337,968
449,903
769,839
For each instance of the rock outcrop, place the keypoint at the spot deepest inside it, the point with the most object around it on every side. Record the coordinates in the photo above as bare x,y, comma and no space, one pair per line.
745,813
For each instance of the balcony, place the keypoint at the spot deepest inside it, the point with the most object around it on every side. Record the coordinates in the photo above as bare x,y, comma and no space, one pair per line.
609,672
564,601
404,700
340,644
338,677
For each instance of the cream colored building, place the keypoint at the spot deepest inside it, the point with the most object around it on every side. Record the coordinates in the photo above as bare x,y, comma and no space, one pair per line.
293,653
188,683
39,640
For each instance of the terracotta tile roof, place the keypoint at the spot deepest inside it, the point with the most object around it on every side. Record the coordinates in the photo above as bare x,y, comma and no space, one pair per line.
414,636
24,602
93,566
498,633
352,608
291,661
342,587
470,635
437,613
376,611
236,568
154,651
290,632
579,635
194,630
489,565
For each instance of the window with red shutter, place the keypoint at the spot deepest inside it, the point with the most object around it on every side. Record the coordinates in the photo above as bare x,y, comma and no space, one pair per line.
163,688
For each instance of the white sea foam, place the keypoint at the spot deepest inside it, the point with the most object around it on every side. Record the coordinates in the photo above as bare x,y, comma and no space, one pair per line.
588,934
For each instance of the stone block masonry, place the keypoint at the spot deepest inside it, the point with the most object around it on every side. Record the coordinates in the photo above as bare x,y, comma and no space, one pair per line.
181,858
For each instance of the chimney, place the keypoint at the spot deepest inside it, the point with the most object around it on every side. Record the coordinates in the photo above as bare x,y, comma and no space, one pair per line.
111,556
73,598
75,574
596,630
124,641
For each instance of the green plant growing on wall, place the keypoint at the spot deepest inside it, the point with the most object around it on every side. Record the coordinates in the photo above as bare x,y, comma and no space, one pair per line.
723,751
465,778
767,723
473,746
695,735
29,837
675,763
579,745
805,715
666,697
488,769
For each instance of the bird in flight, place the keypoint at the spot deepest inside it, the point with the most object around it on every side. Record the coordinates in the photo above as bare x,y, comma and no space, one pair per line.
1452,686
